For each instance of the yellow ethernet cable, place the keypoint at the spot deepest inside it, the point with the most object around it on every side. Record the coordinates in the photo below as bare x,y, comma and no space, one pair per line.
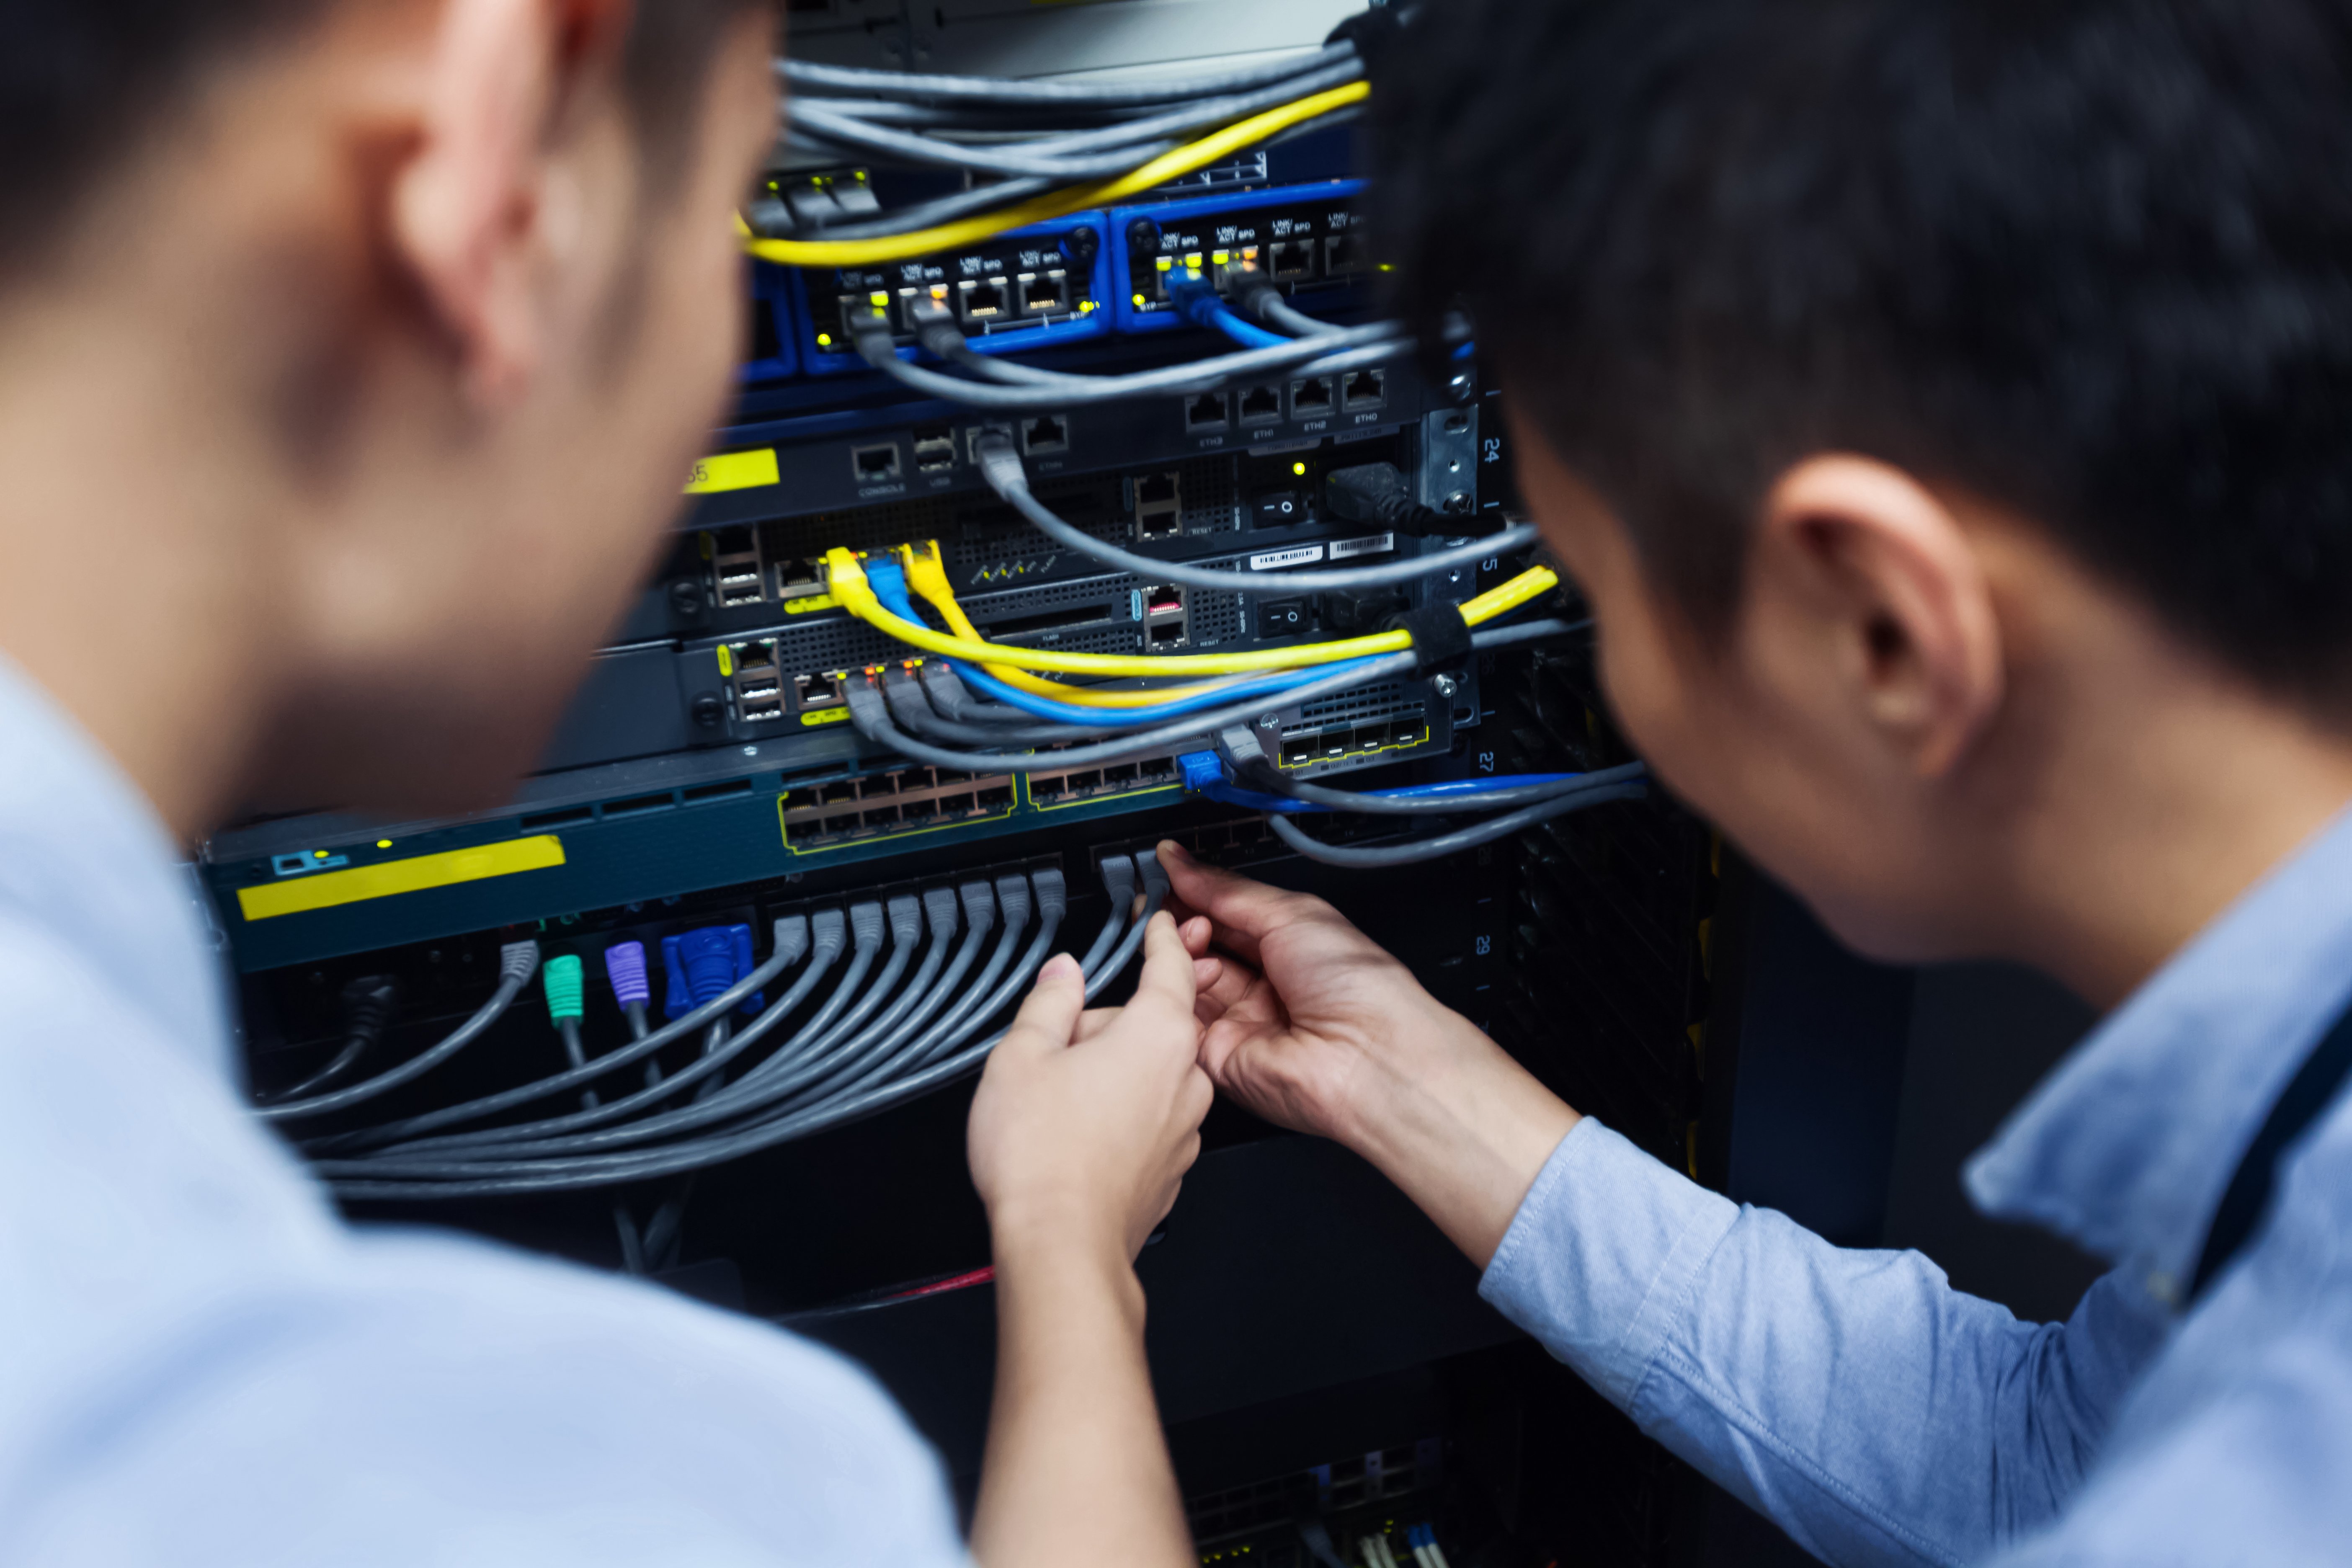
929,578
846,579
1185,160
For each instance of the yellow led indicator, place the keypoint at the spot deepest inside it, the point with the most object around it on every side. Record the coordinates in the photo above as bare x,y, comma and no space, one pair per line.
1219,256
825,340
330,890
1299,468
318,854
1140,301
879,298
726,660
1194,261
1084,306
734,471
1165,263
383,843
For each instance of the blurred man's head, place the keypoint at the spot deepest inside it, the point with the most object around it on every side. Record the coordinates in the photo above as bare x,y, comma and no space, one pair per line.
1885,365
400,322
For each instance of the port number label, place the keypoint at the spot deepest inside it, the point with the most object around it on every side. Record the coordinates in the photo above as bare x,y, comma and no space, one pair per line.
1494,445
1485,945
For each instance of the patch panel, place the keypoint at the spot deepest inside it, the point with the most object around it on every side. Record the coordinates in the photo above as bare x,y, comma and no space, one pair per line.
1017,291
1297,238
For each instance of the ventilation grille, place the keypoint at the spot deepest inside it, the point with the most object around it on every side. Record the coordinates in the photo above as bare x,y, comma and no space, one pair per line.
1383,700
1211,496
1216,618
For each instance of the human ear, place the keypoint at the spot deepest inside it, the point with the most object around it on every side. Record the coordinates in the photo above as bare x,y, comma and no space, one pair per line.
470,209
1884,576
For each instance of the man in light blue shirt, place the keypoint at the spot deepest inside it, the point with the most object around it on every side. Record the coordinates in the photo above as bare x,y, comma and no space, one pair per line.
350,354
1947,410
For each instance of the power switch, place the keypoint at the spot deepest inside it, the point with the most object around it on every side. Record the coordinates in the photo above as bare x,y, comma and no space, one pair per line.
1281,618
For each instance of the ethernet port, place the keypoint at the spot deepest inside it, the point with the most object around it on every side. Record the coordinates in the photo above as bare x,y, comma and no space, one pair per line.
1342,254
950,776
919,810
857,311
1079,784
1169,634
1290,260
797,577
816,691
981,302
841,792
1120,777
802,799
764,712
956,805
873,465
1207,412
884,818
1261,406
995,799
1043,294
1364,389
1311,399
1046,432
935,449
1297,753
750,656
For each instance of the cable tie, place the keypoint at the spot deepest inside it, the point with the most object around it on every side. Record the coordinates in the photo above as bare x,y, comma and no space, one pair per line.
1440,637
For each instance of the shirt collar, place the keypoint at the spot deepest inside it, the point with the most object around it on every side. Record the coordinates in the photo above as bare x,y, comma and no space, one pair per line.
85,859
2126,1146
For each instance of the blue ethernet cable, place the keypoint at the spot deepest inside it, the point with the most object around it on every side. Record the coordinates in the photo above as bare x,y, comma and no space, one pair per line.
1203,775
889,582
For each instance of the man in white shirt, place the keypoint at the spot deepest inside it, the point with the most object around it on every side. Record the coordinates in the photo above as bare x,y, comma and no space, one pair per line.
350,354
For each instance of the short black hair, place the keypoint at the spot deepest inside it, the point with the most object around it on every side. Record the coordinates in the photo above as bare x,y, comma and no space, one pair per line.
2091,259
83,81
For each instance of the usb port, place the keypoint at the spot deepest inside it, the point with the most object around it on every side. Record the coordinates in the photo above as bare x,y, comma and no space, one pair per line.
764,712
935,449
756,690
739,588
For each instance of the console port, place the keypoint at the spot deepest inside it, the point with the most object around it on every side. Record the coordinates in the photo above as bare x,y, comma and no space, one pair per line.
1364,389
1290,260
1207,412
1046,432
1159,506
815,692
1311,399
874,464
981,302
1043,294
764,712
935,449
1261,405
1342,254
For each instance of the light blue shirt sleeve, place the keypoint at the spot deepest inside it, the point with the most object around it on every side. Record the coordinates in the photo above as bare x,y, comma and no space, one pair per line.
1854,1397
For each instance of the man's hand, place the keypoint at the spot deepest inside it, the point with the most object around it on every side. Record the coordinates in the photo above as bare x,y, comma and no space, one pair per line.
1310,1025
1083,1125
1086,1121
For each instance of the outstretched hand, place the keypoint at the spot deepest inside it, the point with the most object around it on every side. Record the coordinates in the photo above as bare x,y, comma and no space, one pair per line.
1308,1023
1086,1121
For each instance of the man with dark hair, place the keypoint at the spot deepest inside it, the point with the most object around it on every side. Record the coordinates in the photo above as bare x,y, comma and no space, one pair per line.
1946,407
350,354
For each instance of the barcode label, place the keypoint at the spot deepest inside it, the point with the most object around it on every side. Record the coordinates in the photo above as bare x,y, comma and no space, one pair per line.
1277,558
1377,543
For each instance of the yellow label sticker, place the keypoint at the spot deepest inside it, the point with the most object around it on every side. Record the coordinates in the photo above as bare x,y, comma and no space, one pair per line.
726,660
825,716
330,890
734,471
813,602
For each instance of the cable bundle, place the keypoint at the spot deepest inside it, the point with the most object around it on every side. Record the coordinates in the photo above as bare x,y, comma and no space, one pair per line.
890,1001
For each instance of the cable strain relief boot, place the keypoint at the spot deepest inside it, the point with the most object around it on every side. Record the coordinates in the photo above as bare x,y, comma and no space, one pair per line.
866,924
946,691
867,711
625,965
1155,880
1000,464
792,938
368,1004
905,919
566,990
517,961
1053,893
1243,759
1013,901
979,906
940,912
1118,879
829,933
1199,769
